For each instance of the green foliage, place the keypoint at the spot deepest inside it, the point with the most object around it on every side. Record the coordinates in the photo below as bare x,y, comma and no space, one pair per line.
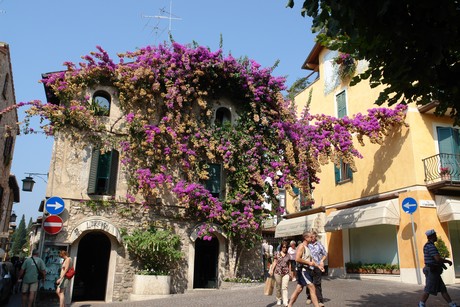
157,251
298,86
412,48
20,238
442,248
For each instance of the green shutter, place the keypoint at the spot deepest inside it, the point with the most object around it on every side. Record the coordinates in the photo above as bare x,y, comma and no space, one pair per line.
113,173
337,174
92,180
213,184
341,105
349,172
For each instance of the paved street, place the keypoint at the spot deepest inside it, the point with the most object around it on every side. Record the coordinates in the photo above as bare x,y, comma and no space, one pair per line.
337,292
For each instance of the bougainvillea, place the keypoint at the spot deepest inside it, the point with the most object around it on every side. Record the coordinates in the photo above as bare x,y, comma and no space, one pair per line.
168,138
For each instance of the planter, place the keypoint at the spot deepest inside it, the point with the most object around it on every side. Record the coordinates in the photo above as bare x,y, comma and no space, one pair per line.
149,286
379,271
445,177
395,272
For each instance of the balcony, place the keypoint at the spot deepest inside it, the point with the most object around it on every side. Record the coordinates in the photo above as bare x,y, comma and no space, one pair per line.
442,173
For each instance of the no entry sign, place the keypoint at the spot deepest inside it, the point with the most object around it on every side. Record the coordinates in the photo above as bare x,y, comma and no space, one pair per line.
52,224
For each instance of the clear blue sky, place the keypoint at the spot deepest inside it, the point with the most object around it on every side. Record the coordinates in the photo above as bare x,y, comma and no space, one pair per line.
43,34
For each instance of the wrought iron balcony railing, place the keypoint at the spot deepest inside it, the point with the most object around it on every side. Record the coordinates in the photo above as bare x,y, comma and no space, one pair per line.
442,167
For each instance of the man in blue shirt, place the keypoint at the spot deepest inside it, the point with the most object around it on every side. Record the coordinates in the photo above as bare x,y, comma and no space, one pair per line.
434,264
319,254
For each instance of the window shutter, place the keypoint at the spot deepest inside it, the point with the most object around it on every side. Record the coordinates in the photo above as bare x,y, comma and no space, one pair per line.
113,173
213,184
445,140
349,171
341,105
337,174
92,180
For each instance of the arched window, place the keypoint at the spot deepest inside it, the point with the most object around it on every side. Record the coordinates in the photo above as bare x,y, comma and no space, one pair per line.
100,103
223,115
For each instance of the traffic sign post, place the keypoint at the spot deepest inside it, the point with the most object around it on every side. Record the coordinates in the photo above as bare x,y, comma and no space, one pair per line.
52,224
409,205
55,205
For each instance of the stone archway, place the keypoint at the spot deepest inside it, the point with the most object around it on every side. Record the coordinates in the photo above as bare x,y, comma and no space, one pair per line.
92,226
206,259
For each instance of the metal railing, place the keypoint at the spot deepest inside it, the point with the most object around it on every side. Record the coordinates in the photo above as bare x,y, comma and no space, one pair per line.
442,167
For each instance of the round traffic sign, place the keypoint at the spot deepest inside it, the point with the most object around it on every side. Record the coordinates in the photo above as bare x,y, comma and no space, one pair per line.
409,205
54,205
52,224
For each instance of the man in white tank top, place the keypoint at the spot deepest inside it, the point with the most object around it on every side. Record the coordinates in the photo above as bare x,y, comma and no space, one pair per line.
305,264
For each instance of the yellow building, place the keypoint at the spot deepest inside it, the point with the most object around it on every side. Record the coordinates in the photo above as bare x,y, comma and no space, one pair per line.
378,212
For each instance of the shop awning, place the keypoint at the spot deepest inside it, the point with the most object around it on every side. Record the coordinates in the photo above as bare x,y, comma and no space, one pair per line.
448,208
384,212
298,225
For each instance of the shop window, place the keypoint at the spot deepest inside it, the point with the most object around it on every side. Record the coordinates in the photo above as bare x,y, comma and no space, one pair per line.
214,182
223,115
103,173
7,150
100,103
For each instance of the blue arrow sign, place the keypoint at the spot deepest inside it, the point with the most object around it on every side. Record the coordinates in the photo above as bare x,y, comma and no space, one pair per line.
54,205
409,205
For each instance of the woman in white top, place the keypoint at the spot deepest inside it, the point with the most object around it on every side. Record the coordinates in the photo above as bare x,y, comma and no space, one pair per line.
291,252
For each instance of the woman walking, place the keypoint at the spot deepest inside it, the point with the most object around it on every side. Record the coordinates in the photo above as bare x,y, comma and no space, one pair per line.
282,268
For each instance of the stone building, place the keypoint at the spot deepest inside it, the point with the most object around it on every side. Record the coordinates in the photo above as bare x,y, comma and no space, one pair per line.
9,190
92,184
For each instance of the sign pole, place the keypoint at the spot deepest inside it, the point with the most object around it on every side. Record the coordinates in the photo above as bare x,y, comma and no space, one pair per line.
417,262
409,205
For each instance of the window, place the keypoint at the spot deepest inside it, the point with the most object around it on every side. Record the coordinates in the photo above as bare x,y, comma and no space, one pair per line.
449,150
223,115
7,150
341,100
5,86
344,173
101,103
103,173
214,182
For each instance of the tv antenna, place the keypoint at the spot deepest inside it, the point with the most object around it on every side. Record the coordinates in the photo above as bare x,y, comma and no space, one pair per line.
164,15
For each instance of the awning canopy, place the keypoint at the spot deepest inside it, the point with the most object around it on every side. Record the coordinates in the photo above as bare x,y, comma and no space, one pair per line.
448,208
298,225
384,212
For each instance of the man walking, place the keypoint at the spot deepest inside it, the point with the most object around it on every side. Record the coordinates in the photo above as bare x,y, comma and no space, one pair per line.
305,264
319,254
434,264
31,268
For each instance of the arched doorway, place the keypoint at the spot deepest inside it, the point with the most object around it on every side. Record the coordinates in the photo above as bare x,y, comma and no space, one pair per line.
206,263
92,266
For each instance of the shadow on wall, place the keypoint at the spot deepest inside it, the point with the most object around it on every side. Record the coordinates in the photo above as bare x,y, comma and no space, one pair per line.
383,159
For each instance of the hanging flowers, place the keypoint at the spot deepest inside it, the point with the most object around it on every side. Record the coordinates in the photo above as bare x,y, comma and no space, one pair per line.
347,66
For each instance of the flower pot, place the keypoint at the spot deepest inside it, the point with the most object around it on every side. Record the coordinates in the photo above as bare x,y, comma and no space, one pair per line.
152,284
379,271
445,177
395,272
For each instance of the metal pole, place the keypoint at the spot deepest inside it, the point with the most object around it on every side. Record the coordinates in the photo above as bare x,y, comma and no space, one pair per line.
417,263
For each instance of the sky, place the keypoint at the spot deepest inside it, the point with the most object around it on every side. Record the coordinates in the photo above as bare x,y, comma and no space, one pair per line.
43,34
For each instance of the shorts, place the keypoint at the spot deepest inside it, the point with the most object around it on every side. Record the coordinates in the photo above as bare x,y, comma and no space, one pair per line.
293,265
304,277
64,283
434,282
26,288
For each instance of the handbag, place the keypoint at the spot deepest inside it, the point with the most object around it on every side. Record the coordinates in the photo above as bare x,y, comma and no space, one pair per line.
40,275
269,285
70,273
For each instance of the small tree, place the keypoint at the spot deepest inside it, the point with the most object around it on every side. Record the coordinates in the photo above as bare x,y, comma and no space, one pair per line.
157,251
20,238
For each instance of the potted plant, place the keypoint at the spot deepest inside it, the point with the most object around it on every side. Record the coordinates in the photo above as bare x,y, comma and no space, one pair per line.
442,248
347,65
445,173
395,269
156,252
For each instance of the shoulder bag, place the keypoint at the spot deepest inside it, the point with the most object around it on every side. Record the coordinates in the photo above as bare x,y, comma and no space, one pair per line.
40,275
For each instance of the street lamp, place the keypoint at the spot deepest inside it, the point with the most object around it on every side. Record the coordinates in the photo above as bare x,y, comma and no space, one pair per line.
28,182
